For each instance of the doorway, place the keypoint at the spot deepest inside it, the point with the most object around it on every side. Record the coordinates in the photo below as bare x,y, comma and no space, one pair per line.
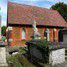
60,36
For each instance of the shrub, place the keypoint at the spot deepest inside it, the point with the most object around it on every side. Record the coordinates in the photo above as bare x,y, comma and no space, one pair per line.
13,61
19,60
42,46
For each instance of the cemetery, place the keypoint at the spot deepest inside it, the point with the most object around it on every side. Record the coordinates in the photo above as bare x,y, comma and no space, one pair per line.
31,45
37,53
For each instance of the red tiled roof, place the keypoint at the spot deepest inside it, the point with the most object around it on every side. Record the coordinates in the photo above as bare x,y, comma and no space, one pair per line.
26,14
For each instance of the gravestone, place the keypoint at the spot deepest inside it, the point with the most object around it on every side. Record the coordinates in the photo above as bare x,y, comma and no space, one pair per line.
57,56
3,61
36,53
51,53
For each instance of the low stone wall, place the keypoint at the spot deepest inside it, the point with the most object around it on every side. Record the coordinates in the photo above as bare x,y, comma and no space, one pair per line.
57,56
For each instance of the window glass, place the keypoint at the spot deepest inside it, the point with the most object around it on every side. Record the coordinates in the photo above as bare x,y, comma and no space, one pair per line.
46,34
23,33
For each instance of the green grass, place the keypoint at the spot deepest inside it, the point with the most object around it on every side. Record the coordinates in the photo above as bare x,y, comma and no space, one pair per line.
25,62
66,57
14,61
19,60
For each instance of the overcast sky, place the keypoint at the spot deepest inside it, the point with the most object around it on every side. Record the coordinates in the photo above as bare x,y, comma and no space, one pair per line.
40,3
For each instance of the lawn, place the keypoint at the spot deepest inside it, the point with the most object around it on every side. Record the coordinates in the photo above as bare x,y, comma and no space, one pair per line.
19,60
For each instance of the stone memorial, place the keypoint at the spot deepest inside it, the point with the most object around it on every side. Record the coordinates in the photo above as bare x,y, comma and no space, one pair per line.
3,61
53,54
44,51
57,56
36,53
36,34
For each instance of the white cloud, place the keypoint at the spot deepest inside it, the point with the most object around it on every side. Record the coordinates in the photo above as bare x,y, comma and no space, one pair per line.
53,0
31,0
65,1
3,6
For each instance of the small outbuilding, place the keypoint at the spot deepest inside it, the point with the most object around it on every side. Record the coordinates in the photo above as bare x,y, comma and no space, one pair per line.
21,17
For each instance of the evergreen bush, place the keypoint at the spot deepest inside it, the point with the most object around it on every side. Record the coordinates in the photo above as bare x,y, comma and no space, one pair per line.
42,46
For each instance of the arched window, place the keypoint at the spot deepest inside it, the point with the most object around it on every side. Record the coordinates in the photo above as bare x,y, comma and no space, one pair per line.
46,34
61,36
23,33
54,34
